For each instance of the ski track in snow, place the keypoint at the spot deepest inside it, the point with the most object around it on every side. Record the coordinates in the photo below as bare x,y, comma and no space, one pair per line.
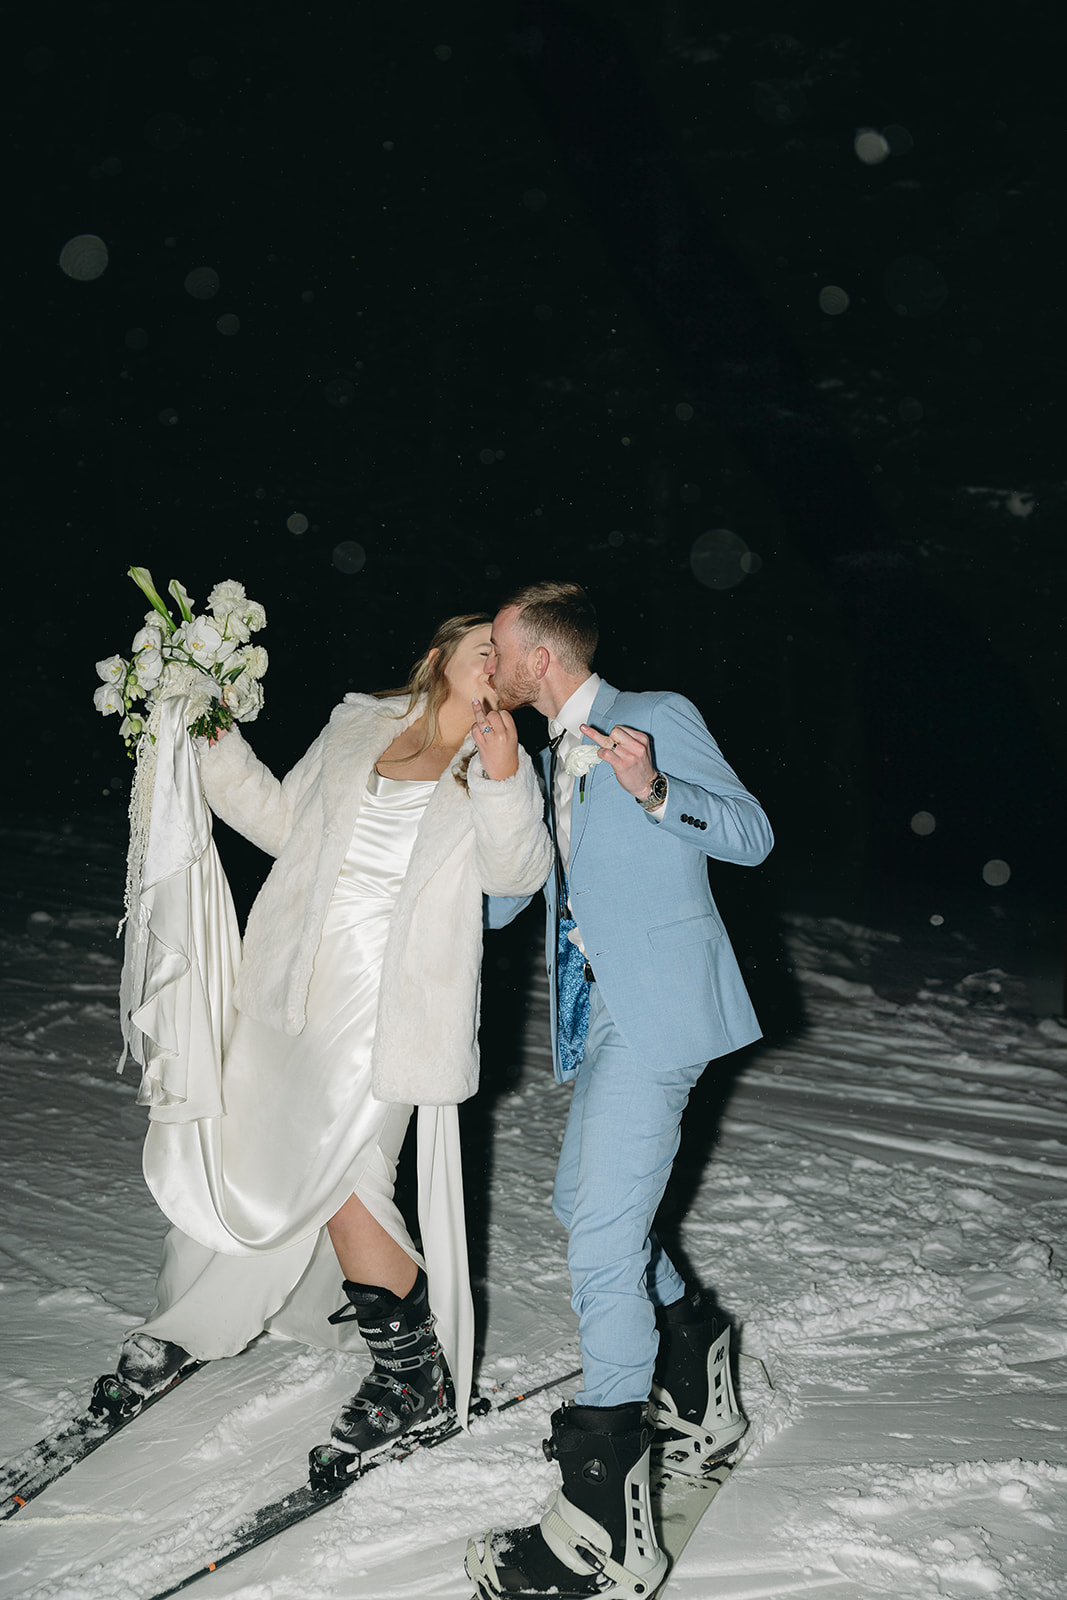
880,1206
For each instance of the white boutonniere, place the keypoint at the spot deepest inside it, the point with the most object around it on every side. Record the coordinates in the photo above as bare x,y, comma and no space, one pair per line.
582,759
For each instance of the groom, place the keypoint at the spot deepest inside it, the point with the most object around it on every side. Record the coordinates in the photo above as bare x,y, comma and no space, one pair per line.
645,991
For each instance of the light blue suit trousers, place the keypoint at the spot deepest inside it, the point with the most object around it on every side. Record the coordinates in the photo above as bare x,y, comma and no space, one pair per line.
619,1145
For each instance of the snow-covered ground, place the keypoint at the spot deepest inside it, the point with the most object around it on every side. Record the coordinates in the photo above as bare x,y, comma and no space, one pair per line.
880,1204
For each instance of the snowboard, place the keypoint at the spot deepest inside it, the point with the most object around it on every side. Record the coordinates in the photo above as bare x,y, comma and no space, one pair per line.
678,1505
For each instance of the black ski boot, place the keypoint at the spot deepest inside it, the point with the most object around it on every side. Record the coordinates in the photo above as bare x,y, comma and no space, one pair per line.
597,1537
409,1380
694,1408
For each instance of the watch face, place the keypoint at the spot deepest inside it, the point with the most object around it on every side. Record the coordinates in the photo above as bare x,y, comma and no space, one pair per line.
659,787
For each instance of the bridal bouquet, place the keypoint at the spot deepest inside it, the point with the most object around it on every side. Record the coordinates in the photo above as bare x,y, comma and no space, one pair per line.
207,658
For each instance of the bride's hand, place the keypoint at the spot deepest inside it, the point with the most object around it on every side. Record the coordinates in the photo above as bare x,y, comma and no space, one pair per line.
497,738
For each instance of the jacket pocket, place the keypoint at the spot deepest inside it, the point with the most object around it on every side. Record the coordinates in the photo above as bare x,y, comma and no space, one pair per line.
692,930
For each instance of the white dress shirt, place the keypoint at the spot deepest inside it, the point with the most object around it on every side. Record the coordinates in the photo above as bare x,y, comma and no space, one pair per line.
568,722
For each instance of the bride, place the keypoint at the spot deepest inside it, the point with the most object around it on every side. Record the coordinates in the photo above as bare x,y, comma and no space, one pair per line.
357,1000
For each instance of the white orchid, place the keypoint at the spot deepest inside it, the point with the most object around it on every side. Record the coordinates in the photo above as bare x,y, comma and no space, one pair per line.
200,637
147,666
112,669
150,637
582,759
108,699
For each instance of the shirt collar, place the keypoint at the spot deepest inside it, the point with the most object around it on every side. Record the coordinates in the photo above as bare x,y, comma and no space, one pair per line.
576,710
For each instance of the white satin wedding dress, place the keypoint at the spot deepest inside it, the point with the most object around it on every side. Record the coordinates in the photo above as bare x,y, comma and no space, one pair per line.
249,1191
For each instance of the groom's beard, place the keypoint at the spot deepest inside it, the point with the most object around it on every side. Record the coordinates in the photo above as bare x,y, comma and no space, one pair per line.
518,690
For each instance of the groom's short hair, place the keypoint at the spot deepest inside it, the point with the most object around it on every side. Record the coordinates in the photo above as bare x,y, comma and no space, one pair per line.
561,616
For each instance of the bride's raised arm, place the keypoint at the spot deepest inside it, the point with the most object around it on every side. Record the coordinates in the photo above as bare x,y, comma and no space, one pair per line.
244,792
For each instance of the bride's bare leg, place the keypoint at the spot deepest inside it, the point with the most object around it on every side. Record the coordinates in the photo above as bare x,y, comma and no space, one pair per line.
366,1253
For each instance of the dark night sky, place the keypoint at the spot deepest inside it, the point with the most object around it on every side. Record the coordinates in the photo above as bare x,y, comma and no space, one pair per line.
509,291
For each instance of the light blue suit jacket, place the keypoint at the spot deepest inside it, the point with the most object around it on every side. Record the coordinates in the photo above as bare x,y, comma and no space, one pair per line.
639,888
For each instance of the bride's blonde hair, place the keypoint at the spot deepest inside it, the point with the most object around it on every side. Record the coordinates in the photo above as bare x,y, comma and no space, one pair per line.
428,675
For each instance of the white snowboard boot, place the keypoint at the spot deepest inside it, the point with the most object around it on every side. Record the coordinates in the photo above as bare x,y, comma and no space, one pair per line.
694,1408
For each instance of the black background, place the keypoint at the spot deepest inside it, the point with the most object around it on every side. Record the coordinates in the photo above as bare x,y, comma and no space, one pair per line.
529,290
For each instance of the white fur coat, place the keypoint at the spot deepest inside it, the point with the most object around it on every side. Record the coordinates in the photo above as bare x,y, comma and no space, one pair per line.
488,838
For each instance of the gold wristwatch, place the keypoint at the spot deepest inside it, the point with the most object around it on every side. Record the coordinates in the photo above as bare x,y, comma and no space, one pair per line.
657,794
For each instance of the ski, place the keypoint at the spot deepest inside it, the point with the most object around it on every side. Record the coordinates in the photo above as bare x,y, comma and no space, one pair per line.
331,1474
113,1406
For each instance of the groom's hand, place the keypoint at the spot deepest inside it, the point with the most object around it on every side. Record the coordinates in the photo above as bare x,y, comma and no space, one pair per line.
626,750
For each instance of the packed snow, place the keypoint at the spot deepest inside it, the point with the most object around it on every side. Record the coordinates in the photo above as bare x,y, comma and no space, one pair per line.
878,1200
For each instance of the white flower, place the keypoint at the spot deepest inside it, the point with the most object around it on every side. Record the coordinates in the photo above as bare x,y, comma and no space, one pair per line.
253,616
108,699
582,759
131,728
148,665
235,627
112,669
236,615
183,597
201,638
253,658
179,678
150,637
244,698
225,597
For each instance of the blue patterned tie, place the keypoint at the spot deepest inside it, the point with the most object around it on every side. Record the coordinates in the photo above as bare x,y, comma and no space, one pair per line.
572,1013
572,990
